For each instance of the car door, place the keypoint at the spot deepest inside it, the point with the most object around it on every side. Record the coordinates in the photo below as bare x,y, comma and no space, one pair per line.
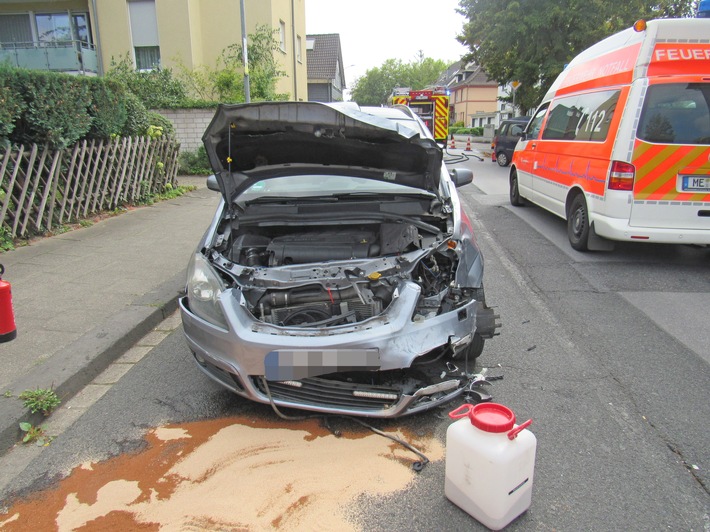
525,151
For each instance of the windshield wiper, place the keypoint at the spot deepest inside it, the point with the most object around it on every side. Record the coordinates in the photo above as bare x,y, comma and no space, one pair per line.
290,199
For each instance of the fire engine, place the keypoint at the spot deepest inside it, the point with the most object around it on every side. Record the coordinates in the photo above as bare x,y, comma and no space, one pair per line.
431,105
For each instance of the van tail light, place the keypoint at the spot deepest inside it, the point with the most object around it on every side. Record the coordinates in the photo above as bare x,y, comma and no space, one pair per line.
621,176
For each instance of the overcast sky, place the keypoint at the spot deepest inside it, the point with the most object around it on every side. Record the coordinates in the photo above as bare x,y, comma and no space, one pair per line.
372,31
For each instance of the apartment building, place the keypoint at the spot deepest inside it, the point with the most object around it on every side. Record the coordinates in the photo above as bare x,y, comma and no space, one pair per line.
474,97
82,36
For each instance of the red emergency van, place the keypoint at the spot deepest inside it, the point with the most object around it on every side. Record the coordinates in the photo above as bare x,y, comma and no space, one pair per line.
620,145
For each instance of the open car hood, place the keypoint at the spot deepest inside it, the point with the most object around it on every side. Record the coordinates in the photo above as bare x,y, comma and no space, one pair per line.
246,143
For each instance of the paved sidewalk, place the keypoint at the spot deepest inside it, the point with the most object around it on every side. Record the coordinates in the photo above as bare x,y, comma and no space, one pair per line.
83,298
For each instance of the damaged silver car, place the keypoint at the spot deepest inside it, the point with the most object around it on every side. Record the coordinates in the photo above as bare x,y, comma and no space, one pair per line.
340,273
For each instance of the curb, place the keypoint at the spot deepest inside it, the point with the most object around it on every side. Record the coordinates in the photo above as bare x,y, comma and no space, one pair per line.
76,365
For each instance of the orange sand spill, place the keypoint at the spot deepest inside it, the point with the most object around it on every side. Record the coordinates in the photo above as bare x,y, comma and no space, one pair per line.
235,474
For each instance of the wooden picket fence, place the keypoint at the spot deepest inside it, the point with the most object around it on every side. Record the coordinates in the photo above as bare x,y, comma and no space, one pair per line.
42,188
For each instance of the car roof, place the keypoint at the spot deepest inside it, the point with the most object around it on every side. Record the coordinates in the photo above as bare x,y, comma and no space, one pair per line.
517,119
401,114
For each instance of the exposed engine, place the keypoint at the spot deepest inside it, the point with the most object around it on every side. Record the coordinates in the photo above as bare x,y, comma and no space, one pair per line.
337,275
319,245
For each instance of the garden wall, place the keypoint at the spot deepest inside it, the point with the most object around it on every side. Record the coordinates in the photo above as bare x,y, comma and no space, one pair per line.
190,125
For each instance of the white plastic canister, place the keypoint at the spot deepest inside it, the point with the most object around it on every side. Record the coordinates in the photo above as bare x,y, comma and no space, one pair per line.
489,463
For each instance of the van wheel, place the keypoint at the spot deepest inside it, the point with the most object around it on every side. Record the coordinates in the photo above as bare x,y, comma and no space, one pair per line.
502,159
578,224
515,198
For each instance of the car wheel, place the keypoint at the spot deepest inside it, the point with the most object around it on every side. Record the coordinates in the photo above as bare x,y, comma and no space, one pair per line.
502,159
515,198
475,348
578,224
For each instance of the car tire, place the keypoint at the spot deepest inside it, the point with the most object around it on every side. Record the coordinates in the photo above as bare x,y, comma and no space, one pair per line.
475,348
502,159
515,199
578,224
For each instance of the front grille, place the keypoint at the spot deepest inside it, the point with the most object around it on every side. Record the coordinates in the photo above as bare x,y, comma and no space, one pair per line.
363,311
329,393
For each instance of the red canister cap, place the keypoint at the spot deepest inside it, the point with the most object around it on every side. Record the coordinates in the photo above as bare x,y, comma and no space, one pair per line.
492,417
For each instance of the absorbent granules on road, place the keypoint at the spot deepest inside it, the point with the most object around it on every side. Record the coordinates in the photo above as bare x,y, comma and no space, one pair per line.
233,473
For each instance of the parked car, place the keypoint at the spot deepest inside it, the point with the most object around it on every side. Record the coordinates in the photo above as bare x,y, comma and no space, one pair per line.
340,273
507,137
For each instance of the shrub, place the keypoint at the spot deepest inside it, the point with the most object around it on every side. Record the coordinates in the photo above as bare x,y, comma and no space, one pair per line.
11,108
157,89
194,163
156,119
473,131
137,120
56,111
107,108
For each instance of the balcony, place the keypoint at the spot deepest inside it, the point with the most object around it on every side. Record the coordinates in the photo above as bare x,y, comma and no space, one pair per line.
72,57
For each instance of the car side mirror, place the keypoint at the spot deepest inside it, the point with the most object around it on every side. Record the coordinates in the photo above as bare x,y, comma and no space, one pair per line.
461,176
212,183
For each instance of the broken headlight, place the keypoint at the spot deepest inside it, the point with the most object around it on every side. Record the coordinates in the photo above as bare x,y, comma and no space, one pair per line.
204,287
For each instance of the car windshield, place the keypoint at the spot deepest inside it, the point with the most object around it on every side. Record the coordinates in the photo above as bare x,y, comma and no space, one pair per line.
410,123
301,186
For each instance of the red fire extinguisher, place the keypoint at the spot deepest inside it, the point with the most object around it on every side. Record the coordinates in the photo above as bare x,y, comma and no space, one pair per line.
8,331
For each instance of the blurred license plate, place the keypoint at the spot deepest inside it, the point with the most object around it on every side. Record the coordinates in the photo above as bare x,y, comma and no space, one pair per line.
303,363
696,183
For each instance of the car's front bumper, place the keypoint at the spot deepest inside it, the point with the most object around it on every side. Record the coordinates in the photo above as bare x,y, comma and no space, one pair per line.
236,358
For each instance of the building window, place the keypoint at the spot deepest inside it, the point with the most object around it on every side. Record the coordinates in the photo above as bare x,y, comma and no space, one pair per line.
298,49
144,32
49,28
282,35
81,27
15,29
53,27
147,57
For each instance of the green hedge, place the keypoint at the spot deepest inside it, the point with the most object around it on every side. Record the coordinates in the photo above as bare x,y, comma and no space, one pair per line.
194,162
107,108
473,131
58,110
157,89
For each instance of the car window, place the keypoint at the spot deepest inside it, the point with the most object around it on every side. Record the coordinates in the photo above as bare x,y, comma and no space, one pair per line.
676,113
516,130
581,117
533,128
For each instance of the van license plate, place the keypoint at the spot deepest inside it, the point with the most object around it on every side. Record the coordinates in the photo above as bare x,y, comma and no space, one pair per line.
696,183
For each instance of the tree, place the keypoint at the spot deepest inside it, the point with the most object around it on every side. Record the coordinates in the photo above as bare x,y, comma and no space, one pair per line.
225,82
531,41
375,86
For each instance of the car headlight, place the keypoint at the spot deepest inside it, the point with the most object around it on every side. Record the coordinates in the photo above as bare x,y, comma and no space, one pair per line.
204,287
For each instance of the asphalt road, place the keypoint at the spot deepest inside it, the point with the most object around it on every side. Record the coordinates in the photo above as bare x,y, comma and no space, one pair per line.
606,352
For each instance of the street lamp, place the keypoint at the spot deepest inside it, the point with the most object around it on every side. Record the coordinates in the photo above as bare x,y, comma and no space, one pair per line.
247,95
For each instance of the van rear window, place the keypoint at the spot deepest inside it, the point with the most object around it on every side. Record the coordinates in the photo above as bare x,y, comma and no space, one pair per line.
582,117
676,113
